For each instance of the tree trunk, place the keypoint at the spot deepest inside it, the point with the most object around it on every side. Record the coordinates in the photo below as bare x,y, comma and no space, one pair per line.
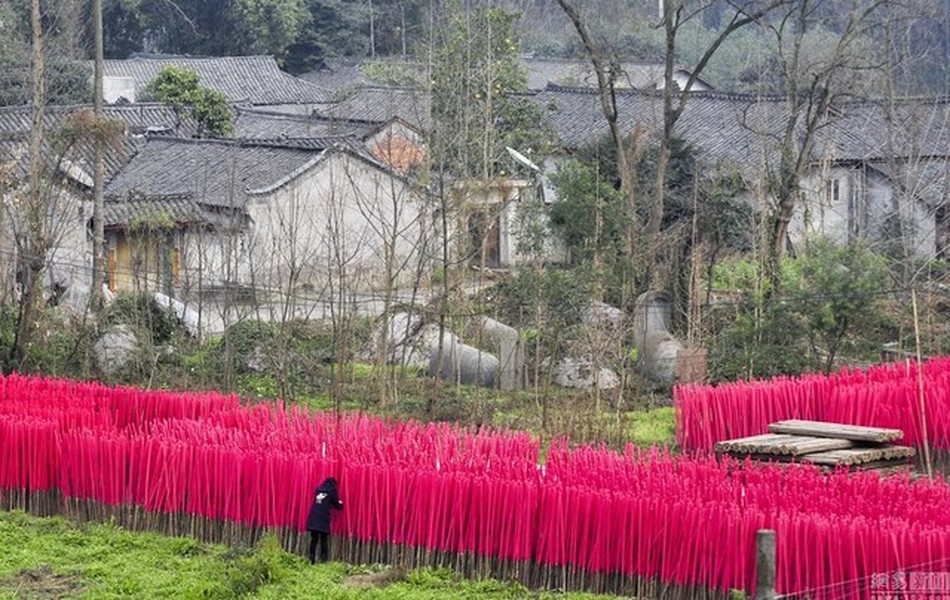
778,238
606,76
30,246
655,220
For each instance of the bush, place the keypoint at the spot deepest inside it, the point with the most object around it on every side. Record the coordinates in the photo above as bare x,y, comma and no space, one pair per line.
830,303
144,314
59,347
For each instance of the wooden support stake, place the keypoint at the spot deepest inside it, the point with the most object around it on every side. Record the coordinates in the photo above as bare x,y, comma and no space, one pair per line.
765,564
925,442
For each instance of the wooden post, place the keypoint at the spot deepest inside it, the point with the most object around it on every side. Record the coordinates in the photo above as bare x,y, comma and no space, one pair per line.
765,564
920,390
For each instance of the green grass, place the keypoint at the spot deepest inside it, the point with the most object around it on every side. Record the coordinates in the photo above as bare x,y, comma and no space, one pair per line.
652,427
56,558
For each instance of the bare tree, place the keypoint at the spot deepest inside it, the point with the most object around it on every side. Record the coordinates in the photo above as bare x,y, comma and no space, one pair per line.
676,14
400,223
607,69
32,247
815,82
911,125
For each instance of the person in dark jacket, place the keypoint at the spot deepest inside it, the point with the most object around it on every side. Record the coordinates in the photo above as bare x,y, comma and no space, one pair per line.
325,500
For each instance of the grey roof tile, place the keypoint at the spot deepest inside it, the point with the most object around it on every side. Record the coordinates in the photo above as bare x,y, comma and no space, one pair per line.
138,118
257,124
218,173
745,130
242,79
341,72
77,161
381,104
126,210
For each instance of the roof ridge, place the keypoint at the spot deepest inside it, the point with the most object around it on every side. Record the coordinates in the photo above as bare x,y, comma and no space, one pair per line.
391,88
66,107
171,57
556,87
275,143
320,156
318,117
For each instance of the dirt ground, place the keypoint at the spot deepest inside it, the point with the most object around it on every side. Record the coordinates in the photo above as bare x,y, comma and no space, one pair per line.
40,583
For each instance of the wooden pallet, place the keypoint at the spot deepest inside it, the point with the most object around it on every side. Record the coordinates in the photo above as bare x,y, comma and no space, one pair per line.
857,456
828,446
855,433
776,443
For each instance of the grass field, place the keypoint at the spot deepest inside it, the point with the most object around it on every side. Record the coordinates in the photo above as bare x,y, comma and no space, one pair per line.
56,558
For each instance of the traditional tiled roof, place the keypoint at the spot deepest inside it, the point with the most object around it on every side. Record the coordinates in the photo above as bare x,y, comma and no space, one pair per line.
338,73
242,79
381,104
126,210
138,118
258,124
725,127
745,130
76,161
879,130
220,173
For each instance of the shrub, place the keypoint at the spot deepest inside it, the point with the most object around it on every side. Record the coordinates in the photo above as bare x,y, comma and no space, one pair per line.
144,314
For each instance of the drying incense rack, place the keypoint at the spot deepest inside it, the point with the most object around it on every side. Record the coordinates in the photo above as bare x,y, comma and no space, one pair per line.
827,445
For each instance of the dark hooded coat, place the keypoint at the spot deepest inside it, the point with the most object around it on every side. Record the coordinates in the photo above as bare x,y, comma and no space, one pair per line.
325,499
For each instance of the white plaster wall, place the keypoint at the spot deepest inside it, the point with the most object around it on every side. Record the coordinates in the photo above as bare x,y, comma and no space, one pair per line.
342,222
213,258
815,215
524,212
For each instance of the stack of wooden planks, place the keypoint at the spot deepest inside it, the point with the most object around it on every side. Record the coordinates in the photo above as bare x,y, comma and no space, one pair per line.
828,445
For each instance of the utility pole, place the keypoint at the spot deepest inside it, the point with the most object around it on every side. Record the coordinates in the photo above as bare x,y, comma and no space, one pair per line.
99,175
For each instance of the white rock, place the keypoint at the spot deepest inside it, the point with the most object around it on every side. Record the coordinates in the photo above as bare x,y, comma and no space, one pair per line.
579,373
601,314
462,363
187,316
115,349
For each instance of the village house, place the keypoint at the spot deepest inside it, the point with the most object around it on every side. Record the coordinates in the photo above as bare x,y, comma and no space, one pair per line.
192,217
392,141
244,80
67,172
189,216
263,211
881,176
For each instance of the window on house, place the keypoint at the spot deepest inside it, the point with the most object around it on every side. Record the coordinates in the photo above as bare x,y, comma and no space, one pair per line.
832,190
